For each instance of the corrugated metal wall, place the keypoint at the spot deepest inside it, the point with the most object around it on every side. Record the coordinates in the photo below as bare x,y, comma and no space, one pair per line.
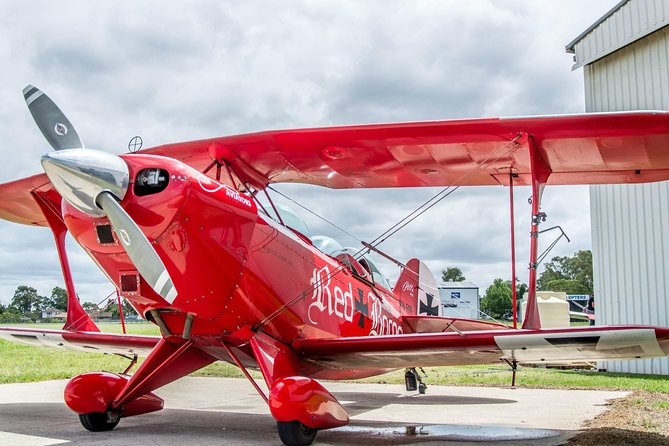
630,224
630,21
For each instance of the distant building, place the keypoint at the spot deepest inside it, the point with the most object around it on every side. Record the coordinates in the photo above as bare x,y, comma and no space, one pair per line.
51,313
98,315
459,299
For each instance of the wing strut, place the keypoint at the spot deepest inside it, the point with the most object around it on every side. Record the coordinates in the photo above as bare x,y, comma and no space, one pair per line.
77,318
513,250
120,310
539,175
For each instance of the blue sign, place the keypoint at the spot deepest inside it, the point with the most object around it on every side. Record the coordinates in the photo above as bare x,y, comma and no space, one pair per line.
578,296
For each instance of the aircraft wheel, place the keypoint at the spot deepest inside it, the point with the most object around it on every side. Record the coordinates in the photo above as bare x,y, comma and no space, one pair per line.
97,422
422,388
294,433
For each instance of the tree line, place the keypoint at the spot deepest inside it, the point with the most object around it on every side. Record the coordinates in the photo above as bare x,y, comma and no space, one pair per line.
27,305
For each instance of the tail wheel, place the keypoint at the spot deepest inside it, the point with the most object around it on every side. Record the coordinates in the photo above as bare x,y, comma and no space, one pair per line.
98,421
294,433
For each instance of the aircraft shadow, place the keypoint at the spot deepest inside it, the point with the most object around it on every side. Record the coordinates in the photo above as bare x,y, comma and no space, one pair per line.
175,427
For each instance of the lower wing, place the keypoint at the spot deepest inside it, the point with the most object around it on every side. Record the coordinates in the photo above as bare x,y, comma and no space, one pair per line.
550,346
82,341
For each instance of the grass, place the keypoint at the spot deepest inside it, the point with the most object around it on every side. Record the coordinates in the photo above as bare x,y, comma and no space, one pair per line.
23,363
662,405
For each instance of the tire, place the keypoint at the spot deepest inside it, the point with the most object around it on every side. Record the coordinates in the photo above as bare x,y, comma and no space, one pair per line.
294,433
422,388
97,422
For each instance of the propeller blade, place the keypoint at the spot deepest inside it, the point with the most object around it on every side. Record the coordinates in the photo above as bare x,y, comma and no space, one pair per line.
138,247
54,125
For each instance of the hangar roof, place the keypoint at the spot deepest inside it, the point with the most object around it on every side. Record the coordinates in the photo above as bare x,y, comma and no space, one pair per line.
627,22
458,285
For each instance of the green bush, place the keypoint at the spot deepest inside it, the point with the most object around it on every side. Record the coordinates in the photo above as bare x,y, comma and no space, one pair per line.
9,318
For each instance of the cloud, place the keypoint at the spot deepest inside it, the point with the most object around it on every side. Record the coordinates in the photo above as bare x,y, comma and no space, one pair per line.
172,71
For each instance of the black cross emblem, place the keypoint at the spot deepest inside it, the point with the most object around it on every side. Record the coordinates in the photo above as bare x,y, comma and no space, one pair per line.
429,309
361,308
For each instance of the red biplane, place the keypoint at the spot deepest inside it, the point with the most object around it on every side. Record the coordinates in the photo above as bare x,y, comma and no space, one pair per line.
180,231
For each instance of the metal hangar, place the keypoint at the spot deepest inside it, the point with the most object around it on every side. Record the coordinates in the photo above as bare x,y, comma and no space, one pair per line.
625,61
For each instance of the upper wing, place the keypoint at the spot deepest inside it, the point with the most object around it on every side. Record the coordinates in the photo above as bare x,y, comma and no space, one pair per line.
579,149
553,346
594,148
82,341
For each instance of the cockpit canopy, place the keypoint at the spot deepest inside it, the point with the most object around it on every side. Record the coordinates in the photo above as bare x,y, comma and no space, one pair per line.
292,220
326,244
359,265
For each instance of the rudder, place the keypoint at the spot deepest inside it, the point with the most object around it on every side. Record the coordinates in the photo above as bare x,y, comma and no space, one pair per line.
417,291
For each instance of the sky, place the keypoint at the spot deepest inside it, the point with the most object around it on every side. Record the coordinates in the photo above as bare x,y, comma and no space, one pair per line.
178,71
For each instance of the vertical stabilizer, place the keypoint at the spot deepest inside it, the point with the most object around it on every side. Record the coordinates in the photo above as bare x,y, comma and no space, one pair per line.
417,291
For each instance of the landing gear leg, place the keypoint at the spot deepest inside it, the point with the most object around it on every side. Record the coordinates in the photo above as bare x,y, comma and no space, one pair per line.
294,433
514,367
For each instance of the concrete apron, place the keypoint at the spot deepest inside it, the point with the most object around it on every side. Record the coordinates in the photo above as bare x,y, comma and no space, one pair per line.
208,410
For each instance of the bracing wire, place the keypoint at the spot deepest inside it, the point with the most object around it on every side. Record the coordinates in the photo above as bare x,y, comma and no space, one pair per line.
97,305
478,310
427,205
420,210
315,214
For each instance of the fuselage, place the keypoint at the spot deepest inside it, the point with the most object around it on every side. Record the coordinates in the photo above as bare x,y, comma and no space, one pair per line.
236,270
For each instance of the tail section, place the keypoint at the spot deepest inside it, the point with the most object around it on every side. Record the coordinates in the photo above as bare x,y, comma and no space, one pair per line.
417,291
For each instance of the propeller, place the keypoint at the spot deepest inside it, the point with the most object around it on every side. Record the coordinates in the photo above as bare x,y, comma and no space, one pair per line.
95,182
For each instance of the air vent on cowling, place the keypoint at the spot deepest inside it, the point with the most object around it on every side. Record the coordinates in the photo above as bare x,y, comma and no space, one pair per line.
105,234
129,283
